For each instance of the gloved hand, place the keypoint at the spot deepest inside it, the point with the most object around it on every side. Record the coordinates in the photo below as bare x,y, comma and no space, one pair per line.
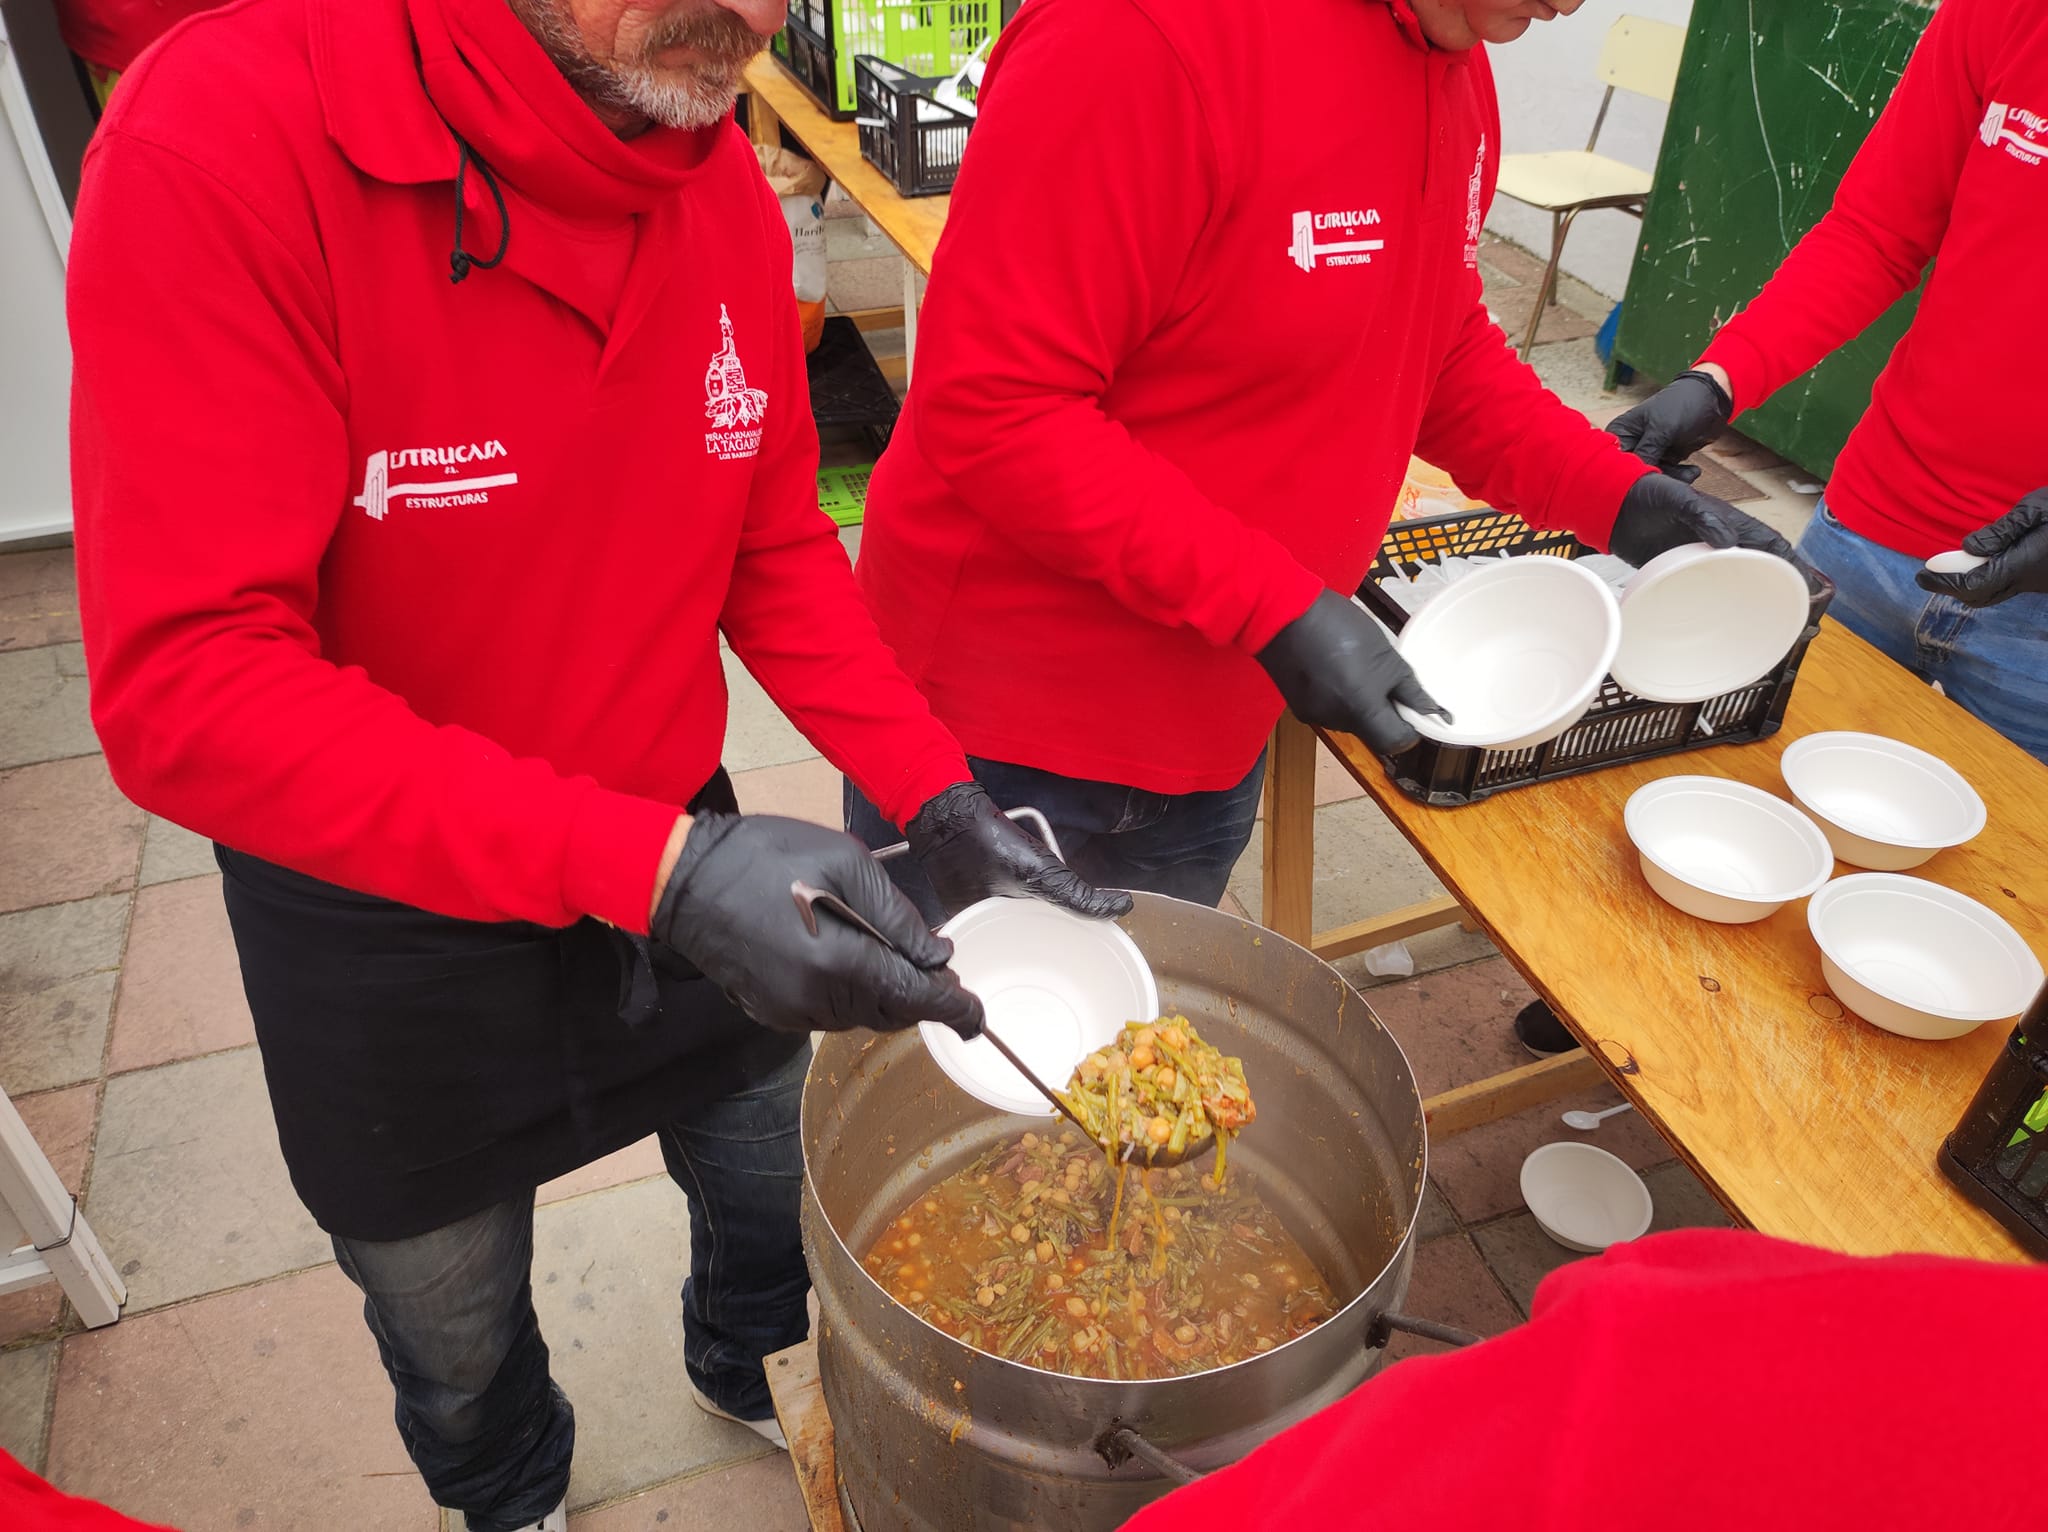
1659,514
1675,422
1336,669
971,851
2016,546
728,908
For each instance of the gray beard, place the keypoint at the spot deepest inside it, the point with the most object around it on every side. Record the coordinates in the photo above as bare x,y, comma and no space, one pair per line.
699,98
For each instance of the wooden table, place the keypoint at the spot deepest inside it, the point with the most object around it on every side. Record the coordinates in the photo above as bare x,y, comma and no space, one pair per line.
911,224
1806,1122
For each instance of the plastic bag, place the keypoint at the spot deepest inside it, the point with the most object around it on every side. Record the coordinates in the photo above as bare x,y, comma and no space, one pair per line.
800,185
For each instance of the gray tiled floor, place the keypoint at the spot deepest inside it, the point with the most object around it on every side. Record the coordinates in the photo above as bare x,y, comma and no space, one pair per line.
24,1392
172,852
57,976
43,709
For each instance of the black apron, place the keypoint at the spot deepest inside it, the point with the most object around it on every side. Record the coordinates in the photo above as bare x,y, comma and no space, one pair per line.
423,1068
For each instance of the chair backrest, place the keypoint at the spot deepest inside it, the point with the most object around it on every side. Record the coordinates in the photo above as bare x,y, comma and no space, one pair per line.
1641,56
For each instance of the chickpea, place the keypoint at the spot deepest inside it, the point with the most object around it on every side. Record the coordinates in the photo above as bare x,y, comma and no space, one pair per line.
1055,1282
1067,1138
1166,1077
1045,1251
1185,1334
1173,1037
1078,1307
930,1206
916,1295
985,1296
1059,1195
895,1244
1077,1266
1143,1057
1031,1141
1019,1233
1145,1037
914,1241
1031,1186
1159,1130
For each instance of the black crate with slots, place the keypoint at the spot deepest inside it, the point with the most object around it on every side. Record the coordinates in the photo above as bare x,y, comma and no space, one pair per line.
847,385
1998,1154
929,37
906,132
1619,727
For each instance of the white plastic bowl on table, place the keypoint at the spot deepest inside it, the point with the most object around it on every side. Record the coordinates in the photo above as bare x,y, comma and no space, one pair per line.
1516,650
1724,850
1055,988
1698,622
1919,959
1882,804
1585,1198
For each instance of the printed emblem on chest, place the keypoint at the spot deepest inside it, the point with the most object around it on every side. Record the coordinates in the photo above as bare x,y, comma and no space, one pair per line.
1335,239
431,478
734,409
2019,132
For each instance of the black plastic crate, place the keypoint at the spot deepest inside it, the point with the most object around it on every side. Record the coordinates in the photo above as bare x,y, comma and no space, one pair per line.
905,132
1619,727
809,59
1998,1154
847,386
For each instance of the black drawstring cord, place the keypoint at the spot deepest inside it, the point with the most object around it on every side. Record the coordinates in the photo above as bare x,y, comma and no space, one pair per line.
459,259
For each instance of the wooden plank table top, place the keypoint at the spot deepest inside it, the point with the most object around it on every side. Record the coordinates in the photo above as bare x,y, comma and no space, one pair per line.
912,224
1805,1121
800,1410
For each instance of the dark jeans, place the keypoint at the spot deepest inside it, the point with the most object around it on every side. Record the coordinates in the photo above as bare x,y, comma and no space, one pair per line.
452,1310
1179,844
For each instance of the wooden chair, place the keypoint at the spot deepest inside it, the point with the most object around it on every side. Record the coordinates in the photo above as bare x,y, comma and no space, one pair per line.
1640,56
43,1236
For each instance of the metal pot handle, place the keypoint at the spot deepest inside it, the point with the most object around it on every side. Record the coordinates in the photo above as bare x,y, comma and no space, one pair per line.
1026,816
1382,1330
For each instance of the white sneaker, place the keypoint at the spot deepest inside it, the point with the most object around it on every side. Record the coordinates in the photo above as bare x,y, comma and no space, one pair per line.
556,1520
767,1429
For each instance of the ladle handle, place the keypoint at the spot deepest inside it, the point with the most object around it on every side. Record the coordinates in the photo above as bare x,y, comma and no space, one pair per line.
1027,816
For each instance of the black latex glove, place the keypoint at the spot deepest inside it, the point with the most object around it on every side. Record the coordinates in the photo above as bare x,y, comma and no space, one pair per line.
971,851
728,908
1336,669
1674,423
1659,514
2016,546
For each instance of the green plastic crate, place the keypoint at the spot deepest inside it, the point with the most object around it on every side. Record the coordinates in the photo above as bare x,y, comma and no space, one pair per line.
843,493
927,37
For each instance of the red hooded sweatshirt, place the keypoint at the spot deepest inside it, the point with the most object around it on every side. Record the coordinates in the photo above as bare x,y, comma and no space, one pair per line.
1705,1381
416,586
1193,310
1955,172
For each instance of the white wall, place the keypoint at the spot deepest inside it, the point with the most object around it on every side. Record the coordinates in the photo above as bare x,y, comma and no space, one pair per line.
35,355
1548,98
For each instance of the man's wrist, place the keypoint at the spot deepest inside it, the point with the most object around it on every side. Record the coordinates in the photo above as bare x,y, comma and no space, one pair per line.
1718,376
671,853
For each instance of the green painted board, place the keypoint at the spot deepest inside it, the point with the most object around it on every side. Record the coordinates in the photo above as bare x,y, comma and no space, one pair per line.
1774,98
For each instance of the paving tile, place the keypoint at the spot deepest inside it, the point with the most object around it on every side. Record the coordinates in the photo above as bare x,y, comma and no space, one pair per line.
1437,1217
1480,1170
756,733
1681,1201
757,1496
635,1162
1561,322
1736,451
801,790
38,599
181,987
263,1408
172,852
61,1123
65,833
1521,1254
25,1401
189,1192
607,1279
1510,260
1334,782
1724,483
1456,1024
1452,1286
56,988
43,710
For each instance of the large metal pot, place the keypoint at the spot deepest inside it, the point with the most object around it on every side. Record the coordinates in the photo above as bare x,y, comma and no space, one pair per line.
933,1436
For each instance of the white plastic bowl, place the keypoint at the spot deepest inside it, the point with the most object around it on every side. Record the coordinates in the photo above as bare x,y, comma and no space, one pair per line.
1055,988
1724,850
1882,804
1918,959
1516,651
1585,1198
1697,622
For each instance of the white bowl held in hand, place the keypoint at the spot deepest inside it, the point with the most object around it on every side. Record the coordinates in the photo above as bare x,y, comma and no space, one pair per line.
1882,804
1585,1198
1955,561
1724,850
1697,622
1918,959
1055,987
1516,651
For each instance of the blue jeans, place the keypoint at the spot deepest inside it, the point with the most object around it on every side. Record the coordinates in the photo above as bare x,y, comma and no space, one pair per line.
1993,662
452,1310
1180,844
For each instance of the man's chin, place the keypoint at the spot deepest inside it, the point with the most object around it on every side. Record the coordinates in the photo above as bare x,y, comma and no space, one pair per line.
1508,28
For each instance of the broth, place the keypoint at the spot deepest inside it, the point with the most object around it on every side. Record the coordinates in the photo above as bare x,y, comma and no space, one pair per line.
1013,1256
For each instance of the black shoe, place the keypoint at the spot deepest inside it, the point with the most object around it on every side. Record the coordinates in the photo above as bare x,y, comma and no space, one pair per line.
1538,1029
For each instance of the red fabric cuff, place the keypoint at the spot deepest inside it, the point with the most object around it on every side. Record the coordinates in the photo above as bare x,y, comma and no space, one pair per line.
614,849
1290,591
927,777
1600,490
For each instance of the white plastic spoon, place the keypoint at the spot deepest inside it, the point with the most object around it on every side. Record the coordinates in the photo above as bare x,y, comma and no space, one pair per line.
1586,1122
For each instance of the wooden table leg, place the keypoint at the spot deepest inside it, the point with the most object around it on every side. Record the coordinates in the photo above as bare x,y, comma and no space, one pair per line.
909,318
763,126
1290,846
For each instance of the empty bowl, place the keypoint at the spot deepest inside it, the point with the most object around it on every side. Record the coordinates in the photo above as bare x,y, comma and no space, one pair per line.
1724,850
1055,987
1585,1198
1516,650
1881,803
1918,959
1697,622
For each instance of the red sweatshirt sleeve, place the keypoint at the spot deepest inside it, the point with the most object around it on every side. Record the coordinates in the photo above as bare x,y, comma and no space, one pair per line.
210,467
797,620
1888,218
1074,225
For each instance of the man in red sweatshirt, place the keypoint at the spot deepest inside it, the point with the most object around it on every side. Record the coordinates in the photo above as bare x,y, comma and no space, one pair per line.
440,400
1953,451
1173,363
